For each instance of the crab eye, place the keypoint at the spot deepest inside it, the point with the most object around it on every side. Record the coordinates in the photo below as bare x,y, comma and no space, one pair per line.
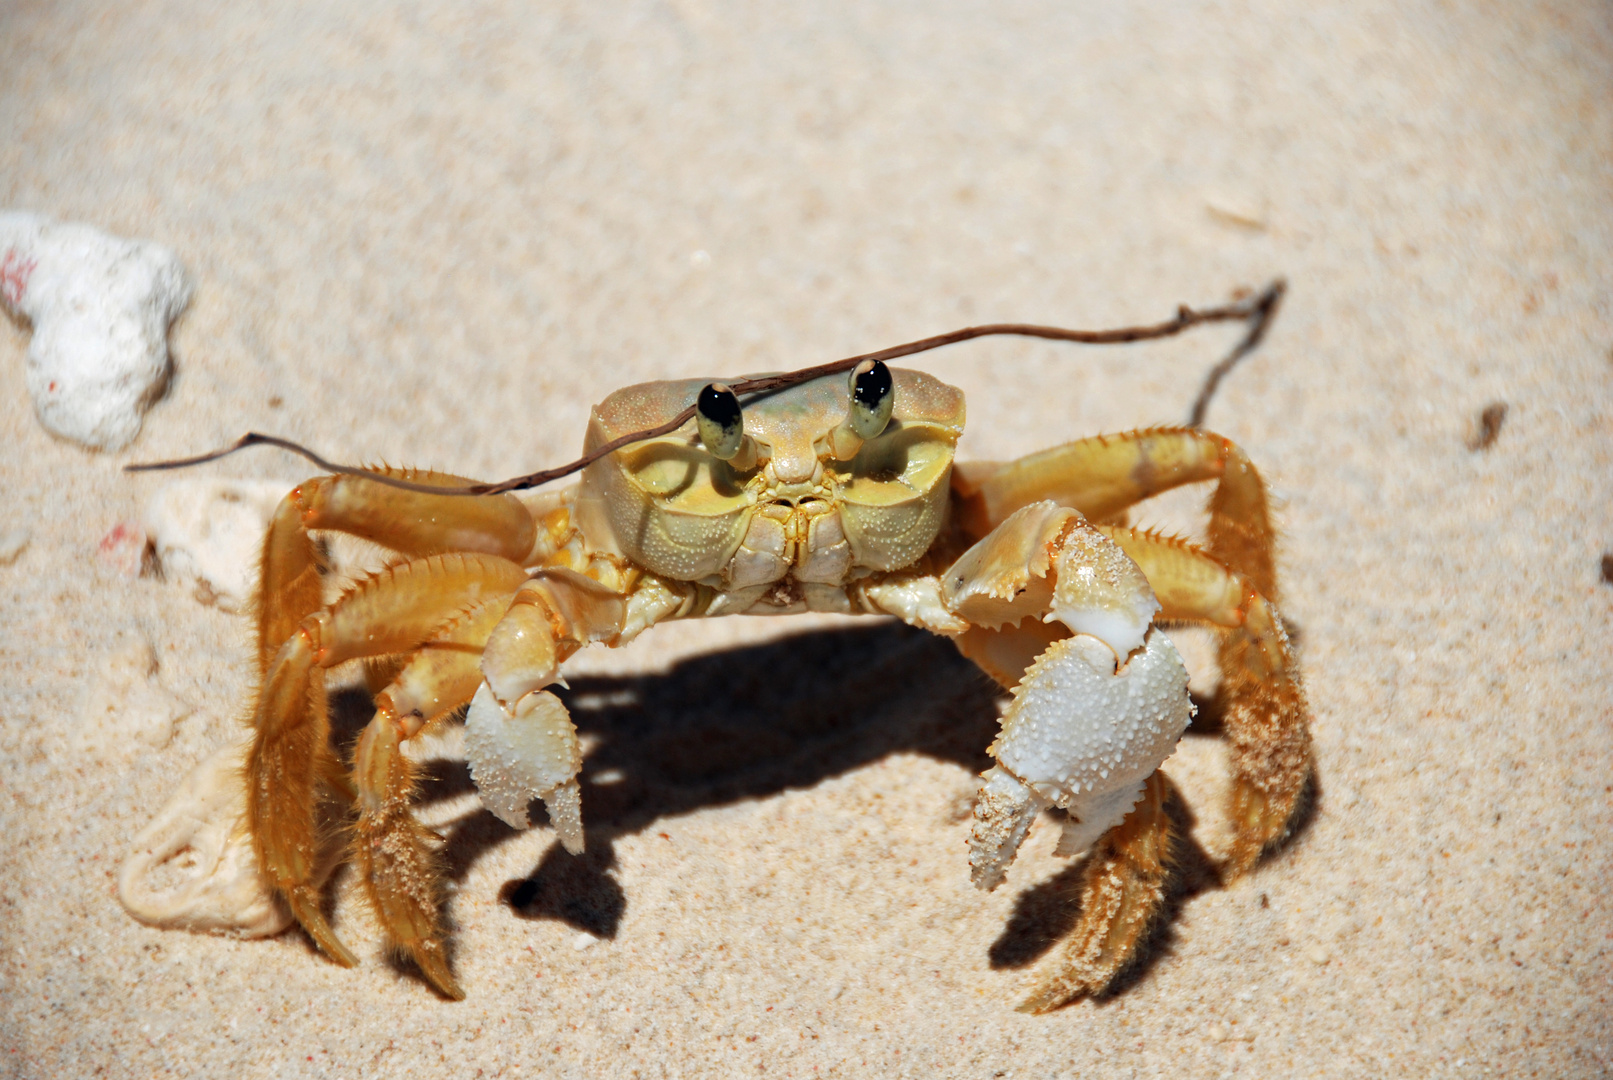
721,423
872,398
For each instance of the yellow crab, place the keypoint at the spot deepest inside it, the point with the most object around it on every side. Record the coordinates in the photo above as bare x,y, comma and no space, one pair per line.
833,494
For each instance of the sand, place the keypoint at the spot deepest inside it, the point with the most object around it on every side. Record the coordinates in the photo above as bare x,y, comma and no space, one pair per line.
436,234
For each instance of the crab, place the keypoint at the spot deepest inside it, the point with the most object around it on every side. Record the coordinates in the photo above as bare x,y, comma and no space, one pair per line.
834,494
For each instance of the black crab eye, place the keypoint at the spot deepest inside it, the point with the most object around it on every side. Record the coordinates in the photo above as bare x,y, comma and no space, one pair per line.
873,396
721,423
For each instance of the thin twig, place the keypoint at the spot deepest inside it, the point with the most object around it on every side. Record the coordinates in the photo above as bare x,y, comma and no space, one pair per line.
1259,309
1265,309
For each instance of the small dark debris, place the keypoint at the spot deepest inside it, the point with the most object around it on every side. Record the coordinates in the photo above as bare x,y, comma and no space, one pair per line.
1265,901
1607,567
523,894
276,401
1489,426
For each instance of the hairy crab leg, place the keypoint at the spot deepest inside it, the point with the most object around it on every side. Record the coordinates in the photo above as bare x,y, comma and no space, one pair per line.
1265,711
1122,890
391,849
284,767
391,612
1104,475
292,744
409,523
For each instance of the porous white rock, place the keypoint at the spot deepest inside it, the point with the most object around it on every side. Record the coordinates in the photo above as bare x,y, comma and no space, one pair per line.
100,307
210,533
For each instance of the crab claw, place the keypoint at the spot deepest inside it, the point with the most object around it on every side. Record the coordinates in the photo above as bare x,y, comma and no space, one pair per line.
1004,810
526,752
1081,735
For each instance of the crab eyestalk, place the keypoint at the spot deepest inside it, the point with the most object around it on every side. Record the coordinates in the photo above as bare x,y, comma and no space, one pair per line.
873,396
721,423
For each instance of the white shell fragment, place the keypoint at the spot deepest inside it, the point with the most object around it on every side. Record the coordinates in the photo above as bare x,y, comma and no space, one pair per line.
100,308
210,532
193,867
1080,735
531,754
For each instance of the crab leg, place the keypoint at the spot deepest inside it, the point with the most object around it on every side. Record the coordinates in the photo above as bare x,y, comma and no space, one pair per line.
1265,715
394,611
390,847
405,521
1102,476
289,756
1122,889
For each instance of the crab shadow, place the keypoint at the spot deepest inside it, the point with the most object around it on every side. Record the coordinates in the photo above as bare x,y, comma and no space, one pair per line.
725,727
1048,911
752,722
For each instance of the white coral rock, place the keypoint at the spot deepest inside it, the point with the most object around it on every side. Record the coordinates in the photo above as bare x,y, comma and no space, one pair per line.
100,307
210,532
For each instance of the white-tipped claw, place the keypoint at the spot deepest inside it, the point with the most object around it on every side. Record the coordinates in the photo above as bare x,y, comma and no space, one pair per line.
1004,810
527,753
565,810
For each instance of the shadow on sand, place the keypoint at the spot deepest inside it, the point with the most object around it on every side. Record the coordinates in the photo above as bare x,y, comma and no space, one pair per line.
753,722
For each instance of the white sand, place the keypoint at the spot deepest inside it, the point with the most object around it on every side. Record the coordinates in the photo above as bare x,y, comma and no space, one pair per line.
437,236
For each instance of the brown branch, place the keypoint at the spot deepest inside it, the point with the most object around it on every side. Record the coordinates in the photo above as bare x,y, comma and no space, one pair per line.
1265,309
1258,310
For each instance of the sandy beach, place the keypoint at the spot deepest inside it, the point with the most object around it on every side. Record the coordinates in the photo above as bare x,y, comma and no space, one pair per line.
436,234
